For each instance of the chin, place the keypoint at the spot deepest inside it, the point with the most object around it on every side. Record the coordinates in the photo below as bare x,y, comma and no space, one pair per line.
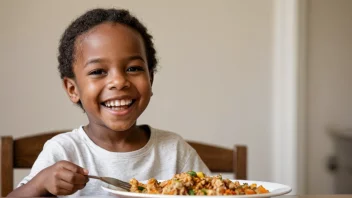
121,126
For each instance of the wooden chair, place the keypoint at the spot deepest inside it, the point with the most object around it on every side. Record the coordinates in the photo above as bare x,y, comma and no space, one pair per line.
223,160
22,152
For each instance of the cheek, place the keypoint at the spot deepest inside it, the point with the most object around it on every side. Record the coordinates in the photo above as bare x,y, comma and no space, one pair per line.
89,91
92,88
145,88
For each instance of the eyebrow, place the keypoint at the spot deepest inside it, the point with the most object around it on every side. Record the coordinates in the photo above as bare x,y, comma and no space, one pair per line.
94,60
135,57
101,60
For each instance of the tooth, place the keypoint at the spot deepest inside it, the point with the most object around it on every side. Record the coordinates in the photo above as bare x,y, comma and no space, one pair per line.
129,102
123,102
117,103
107,104
111,103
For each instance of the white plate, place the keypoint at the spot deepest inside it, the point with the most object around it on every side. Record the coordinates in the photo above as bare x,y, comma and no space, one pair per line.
274,190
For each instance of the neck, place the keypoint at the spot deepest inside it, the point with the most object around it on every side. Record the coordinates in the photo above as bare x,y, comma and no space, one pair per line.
117,141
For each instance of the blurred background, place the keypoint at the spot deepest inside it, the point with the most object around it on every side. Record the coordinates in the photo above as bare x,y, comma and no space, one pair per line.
274,75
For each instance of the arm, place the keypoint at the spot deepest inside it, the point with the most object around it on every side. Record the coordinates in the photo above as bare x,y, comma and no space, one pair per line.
50,172
33,188
62,178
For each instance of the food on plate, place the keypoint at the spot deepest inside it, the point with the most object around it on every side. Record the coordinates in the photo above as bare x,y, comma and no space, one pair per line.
196,183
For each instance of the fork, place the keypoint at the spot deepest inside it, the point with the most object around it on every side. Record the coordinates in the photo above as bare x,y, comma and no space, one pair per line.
113,181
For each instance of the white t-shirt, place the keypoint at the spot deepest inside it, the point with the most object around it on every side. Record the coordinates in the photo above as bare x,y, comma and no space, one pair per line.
165,154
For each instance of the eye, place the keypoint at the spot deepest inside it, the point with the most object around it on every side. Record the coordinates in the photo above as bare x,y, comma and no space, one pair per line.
97,72
135,69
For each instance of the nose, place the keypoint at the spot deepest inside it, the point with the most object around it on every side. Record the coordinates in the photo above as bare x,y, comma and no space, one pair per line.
118,81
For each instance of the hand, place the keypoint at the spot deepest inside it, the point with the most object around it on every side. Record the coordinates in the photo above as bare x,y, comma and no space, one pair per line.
63,178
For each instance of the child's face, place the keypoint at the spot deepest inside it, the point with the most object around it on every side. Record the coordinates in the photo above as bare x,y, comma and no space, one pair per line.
112,77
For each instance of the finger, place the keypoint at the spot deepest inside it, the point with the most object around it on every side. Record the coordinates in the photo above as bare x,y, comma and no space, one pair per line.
72,178
73,167
67,189
79,186
64,192
62,188
85,171
66,185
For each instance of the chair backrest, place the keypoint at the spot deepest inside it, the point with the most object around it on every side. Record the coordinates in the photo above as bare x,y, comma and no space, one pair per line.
22,153
223,160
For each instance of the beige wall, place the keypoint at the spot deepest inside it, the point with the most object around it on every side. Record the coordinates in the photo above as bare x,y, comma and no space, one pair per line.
329,85
213,85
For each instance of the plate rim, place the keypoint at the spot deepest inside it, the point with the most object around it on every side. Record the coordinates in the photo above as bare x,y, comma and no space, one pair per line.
284,189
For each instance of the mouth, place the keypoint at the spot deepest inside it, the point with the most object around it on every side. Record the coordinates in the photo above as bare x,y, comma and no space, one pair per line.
117,105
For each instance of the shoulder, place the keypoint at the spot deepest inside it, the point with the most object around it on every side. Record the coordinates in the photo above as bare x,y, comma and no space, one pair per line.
66,139
167,137
171,143
64,146
171,140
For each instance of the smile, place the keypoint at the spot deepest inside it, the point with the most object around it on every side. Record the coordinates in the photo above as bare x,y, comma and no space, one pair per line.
118,104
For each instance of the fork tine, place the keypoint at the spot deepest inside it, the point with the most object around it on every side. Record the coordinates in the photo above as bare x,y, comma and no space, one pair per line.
120,185
124,184
117,182
113,181
125,188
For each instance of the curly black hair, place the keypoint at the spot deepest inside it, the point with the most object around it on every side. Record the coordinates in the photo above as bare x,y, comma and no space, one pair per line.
91,19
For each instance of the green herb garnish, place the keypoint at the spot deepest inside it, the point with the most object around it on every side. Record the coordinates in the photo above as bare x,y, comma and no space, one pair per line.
190,192
192,173
140,188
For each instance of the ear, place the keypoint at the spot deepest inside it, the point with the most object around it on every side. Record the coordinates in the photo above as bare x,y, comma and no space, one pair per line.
151,75
71,89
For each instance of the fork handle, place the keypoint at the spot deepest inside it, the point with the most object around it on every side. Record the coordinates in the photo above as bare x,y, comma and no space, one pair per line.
94,177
